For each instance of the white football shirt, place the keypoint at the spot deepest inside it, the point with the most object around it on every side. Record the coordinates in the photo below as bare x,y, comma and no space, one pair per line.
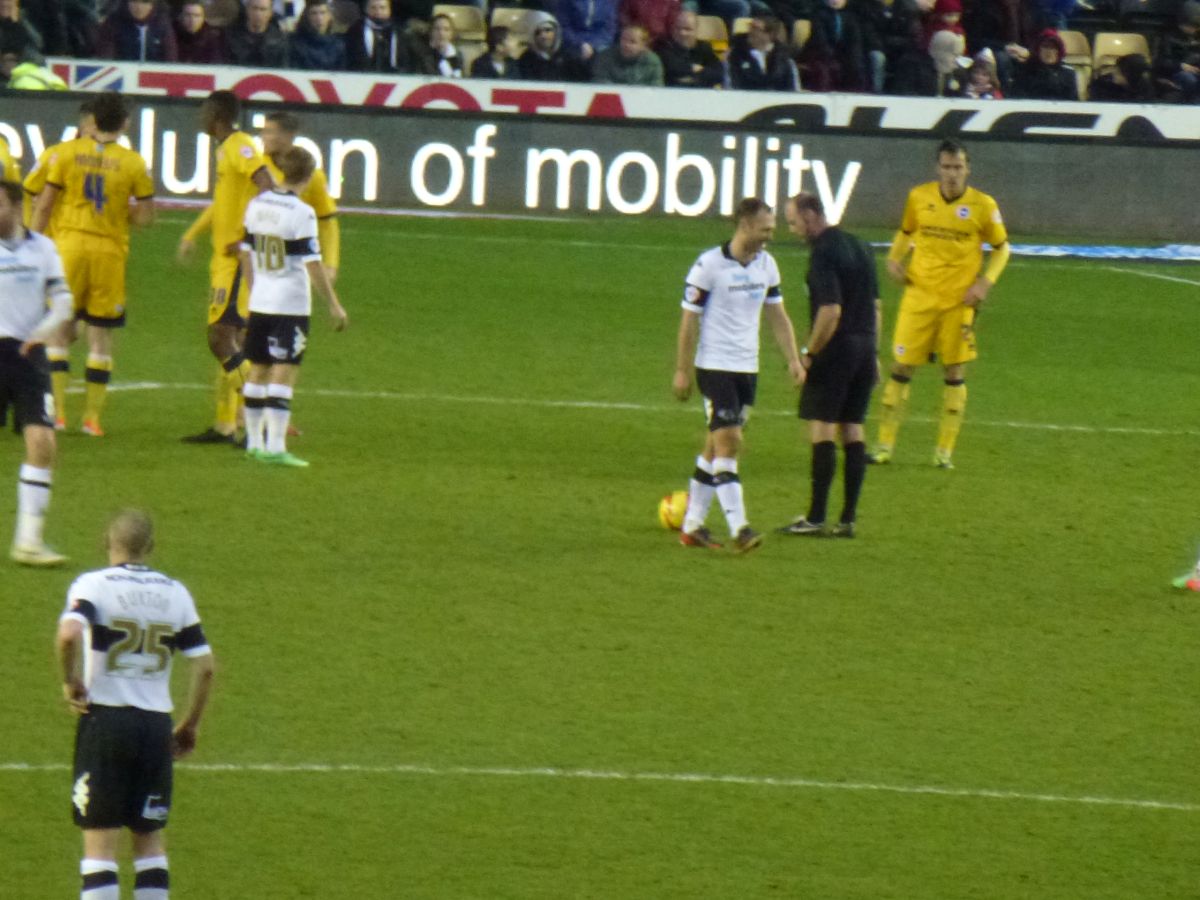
136,618
34,297
729,298
281,235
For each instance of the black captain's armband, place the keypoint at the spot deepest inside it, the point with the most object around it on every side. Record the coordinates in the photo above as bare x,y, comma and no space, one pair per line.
694,295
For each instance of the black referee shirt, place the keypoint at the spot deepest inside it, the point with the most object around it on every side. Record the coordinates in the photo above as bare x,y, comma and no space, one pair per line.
841,270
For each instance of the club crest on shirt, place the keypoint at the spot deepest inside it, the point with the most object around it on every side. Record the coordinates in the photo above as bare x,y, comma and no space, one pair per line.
247,152
964,212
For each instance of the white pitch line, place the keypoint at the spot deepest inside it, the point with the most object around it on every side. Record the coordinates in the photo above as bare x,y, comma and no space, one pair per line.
661,777
1173,278
646,407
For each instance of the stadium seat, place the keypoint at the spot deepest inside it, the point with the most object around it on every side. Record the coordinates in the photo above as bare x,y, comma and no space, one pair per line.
518,21
713,30
1110,47
742,25
801,32
221,13
1079,57
345,14
469,23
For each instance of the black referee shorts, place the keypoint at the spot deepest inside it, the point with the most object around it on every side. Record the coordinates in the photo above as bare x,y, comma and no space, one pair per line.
25,385
839,384
123,769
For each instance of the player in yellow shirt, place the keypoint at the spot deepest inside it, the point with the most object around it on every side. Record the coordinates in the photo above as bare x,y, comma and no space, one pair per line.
278,135
35,181
91,182
944,228
241,175
9,170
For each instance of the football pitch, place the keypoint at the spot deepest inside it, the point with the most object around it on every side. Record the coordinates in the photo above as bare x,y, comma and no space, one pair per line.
458,658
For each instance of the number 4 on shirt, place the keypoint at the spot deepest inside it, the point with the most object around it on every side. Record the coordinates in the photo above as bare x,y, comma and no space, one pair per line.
93,189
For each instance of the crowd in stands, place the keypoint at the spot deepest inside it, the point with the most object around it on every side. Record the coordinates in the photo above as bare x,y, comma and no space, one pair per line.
983,49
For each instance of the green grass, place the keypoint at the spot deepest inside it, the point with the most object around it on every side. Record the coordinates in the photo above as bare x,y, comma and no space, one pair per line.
472,576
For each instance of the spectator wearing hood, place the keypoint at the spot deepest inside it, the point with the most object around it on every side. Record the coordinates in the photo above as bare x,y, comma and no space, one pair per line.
629,62
375,42
1129,82
137,31
760,59
197,40
1178,57
587,26
1044,75
834,58
688,61
544,59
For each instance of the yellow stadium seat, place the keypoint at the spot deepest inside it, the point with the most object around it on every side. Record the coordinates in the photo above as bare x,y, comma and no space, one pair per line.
713,30
469,23
520,22
1110,47
742,25
801,32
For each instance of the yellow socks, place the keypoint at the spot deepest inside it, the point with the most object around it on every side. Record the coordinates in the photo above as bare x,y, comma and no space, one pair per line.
895,404
60,378
229,392
97,375
954,402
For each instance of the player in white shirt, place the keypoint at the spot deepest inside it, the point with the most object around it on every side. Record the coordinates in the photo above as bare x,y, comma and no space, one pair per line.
36,302
280,258
728,291
115,643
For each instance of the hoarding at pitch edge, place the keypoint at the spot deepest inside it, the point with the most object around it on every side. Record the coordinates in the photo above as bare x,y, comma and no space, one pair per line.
807,112
555,166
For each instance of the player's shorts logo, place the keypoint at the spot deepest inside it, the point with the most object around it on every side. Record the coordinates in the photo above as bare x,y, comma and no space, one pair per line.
275,349
299,342
81,796
153,811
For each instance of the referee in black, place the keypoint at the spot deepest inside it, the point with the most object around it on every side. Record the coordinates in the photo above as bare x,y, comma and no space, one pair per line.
840,360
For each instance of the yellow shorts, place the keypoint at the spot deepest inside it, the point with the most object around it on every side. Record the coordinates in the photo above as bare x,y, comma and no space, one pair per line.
95,269
228,299
928,325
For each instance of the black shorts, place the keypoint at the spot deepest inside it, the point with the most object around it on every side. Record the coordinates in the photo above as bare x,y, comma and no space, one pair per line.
123,769
276,340
728,396
840,381
25,385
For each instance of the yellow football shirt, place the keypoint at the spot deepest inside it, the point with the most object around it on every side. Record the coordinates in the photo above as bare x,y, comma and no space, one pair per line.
237,161
8,165
948,238
317,196
97,180
35,183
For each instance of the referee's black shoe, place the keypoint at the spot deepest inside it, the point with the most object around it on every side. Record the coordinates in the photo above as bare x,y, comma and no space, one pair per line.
209,436
803,526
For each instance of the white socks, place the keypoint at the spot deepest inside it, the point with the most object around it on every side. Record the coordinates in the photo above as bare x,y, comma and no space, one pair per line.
278,412
729,493
700,495
33,498
256,400
99,880
150,878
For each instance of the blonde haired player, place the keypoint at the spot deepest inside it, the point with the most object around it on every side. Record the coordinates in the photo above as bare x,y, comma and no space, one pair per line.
90,182
281,256
9,170
241,175
945,226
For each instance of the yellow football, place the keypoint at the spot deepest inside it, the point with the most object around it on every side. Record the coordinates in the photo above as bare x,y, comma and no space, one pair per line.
671,510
